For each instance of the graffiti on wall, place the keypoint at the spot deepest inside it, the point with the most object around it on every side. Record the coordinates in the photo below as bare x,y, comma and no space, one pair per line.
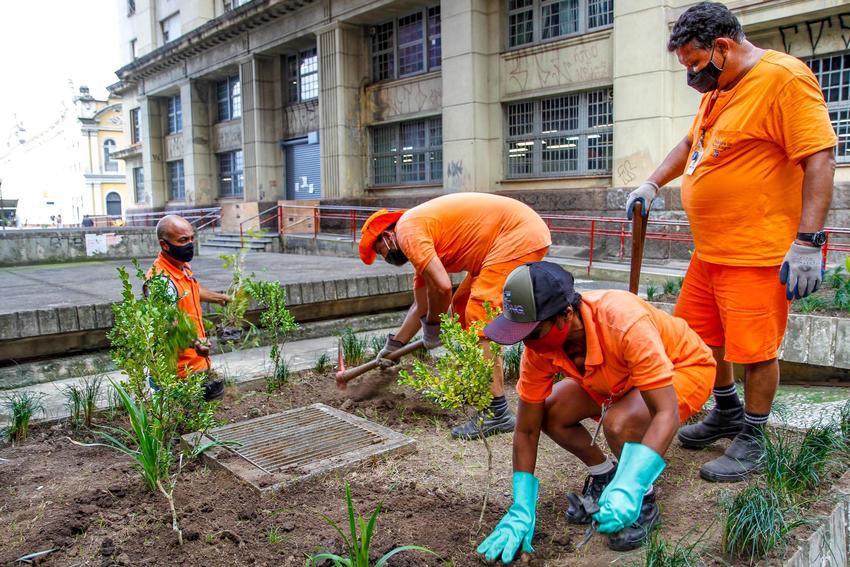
174,146
390,101
228,136
298,119
809,36
560,67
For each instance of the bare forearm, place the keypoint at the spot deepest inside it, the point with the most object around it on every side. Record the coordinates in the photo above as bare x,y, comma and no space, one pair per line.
410,326
209,296
817,190
673,165
661,431
439,300
525,451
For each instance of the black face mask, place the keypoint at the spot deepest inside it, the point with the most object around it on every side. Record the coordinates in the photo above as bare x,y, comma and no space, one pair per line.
705,80
396,258
183,253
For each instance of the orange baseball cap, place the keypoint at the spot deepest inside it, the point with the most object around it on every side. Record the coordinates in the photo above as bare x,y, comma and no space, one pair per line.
372,229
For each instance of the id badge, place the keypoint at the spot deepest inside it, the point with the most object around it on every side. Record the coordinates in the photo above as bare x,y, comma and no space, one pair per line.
696,156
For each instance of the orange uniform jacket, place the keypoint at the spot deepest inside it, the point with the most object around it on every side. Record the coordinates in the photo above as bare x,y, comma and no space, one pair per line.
468,231
190,302
630,344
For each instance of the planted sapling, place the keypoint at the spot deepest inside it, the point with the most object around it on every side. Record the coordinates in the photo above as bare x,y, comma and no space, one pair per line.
276,318
359,540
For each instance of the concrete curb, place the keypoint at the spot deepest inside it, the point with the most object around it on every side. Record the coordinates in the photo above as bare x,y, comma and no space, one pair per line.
828,545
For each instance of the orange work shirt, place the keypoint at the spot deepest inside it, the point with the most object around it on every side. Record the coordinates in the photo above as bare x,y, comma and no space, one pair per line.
744,198
630,344
468,231
190,302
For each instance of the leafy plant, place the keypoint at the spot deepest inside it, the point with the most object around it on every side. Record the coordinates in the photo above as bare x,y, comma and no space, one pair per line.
81,400
232,314
658,552
461,379
512,359
756,522
834,277
276,318
671,287
354,348
276,381
20,407
810,304
323,364
359,539
651,292
841,298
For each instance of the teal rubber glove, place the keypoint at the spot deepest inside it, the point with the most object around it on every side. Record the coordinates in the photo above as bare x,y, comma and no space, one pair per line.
620,502
517,526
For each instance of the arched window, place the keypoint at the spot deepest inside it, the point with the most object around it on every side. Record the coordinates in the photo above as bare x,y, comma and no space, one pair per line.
109,164
113,204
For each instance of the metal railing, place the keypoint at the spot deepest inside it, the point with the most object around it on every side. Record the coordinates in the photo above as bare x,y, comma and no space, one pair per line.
199,218
342,223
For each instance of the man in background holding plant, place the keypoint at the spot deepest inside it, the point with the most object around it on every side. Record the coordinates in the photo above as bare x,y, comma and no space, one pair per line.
177,240
481,234
635,369
758,171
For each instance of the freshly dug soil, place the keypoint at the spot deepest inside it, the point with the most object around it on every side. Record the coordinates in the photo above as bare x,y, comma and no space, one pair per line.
92,508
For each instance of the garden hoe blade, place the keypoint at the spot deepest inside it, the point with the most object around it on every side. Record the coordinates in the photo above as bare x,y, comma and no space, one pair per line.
340,365
638,238
343,376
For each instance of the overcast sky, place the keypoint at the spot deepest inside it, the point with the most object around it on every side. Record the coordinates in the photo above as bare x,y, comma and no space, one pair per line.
43,46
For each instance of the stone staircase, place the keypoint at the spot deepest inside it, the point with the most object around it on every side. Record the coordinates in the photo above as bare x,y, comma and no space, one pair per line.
226,242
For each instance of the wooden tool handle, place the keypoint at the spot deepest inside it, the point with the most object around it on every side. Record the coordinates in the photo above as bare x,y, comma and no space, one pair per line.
346,375
638,238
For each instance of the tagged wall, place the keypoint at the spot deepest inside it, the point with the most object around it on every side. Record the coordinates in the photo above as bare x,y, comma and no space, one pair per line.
421,95
22,247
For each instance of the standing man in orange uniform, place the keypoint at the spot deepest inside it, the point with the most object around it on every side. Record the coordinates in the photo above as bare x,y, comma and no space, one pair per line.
758,173
177,240
635,369
481,234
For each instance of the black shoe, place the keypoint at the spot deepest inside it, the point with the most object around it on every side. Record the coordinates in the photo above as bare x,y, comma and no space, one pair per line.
742,458
503,423
213,390
716,425
582,507
635,535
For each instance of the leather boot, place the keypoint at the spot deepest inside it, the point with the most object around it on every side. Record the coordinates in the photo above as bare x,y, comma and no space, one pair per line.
716,425
635,535
742,458
577,511
494,425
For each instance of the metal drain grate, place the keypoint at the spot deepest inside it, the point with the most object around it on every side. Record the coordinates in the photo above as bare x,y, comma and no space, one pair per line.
292,439
291,446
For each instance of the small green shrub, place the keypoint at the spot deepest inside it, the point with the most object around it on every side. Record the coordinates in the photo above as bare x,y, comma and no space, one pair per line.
276,318
276,381
835,277
323,363
512,360
232,314
841,298
671,287
354,348
21,407
81,401
651,292
811,303
359,540
757,521
658,552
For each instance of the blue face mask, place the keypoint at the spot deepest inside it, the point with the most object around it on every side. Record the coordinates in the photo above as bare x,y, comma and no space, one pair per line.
705,80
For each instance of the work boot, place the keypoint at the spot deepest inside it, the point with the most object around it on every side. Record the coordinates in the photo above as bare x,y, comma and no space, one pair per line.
214,390
635,535
577,511
494,425
716,425
742,458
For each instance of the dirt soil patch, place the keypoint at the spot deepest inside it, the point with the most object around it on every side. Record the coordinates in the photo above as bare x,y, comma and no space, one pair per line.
92,507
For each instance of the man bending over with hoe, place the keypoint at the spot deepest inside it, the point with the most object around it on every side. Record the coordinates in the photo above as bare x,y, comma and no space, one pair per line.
481,234
634,369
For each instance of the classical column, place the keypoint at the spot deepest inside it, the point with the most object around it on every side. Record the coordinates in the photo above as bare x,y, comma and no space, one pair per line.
156,190
261,97
653,107
197,153
471,111
341,71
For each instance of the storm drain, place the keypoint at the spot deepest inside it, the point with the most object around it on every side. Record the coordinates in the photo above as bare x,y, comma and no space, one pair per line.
285,448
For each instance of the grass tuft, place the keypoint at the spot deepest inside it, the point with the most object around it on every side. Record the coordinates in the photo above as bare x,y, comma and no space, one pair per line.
21,407
834,277
651,292
659,552
811,303
354,348
81,401
792,465
512,359
376,343
323,363
671,287
757,522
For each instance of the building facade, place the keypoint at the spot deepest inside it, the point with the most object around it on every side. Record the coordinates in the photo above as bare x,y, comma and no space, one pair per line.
68,170
243,103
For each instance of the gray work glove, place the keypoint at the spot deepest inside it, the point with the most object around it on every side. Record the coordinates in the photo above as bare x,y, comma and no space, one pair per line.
646,193
430,334
802,271
391,345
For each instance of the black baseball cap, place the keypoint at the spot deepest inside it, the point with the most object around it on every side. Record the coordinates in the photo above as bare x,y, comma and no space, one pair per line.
533,292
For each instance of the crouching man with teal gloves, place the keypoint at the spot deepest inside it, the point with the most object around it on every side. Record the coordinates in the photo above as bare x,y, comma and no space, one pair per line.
633,368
